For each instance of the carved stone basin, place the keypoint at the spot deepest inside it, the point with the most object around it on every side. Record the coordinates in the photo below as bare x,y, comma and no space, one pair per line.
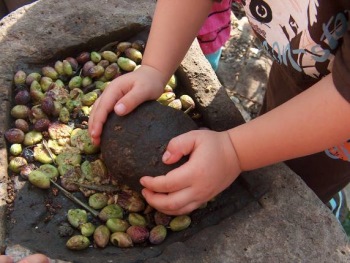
267,215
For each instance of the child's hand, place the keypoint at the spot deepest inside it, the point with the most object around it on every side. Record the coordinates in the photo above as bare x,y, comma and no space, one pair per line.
124,94
35,258
213,165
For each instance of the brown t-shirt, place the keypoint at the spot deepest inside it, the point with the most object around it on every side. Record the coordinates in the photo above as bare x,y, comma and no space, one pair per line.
308,40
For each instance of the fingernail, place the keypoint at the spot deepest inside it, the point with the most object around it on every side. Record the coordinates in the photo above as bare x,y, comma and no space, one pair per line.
141,181
120,108
166,156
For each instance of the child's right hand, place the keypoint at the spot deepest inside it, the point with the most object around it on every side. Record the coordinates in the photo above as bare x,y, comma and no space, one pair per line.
124,94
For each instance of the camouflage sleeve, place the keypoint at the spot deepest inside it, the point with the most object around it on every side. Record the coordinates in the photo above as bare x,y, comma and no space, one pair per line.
341,68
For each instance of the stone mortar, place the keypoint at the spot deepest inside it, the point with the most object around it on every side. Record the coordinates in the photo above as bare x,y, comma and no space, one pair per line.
285,222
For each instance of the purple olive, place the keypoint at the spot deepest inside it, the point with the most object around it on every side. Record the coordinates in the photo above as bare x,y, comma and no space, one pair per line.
47,105
162,219
42,125
14,135
83,57
87,66
22,97
138,234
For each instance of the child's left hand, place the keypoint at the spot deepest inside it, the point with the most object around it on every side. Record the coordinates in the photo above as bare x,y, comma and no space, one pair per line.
35,258
213,165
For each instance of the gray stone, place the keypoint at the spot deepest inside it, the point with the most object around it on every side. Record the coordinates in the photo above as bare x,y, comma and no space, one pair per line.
287,223
42,32
283,221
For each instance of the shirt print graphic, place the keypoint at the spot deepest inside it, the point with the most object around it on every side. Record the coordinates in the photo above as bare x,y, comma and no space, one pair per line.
302,35
299,33
341,152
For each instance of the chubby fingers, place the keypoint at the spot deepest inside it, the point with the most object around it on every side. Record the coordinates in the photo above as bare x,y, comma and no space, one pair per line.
123,95
130,100
175,203
172,193
94,128
179,146
5,259
35,258
172,182
100,110
115,91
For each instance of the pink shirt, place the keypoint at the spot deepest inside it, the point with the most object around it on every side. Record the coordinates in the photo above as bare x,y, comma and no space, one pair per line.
216,28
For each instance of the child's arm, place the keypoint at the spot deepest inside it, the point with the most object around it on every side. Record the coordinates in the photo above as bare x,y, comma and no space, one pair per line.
174,27
311,122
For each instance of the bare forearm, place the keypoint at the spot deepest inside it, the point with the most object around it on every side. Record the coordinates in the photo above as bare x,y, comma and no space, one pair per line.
311,122
175,25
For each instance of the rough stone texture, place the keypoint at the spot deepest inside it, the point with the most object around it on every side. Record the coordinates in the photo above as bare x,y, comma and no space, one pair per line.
285,222
133,145
45,31
202,84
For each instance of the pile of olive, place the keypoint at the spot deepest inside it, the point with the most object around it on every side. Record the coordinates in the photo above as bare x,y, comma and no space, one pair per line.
48,141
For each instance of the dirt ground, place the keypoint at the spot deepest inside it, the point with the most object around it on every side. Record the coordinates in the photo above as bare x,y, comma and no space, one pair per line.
244,66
